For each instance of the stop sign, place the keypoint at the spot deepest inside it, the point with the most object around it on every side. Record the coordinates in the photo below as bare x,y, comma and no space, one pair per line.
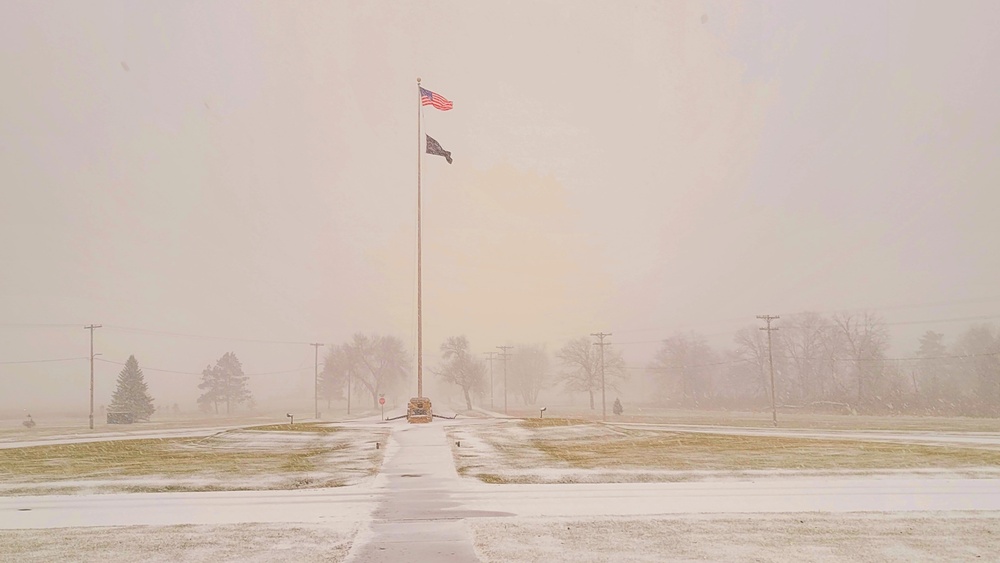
381,400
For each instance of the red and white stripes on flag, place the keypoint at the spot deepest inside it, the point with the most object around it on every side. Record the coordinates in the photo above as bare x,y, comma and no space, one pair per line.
428,98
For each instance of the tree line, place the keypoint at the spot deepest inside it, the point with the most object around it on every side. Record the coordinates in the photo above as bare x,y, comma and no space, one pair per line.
835,363
371,365
838,363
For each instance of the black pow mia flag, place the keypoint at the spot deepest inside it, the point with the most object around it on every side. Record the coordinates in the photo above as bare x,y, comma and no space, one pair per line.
434,147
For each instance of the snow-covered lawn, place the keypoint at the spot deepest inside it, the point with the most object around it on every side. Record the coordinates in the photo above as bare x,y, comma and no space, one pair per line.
576,451
762,419
883,537
192,543
419,502
47,429
270,457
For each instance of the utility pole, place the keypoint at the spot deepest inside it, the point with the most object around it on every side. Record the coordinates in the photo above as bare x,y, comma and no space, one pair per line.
504,355
316,345
490,356
770,360
91,329
602,344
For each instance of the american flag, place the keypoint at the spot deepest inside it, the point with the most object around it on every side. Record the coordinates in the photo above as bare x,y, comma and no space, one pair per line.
428,98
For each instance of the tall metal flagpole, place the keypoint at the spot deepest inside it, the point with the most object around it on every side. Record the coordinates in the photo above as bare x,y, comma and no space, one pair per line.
420,320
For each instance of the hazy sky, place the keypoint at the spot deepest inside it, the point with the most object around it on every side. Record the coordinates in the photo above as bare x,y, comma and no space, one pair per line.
247,170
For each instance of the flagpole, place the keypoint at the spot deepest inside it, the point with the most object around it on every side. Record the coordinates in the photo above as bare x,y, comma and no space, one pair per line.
420,320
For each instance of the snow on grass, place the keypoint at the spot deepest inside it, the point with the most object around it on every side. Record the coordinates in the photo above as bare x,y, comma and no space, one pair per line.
192,543
574,451
961,536
303,456
788,419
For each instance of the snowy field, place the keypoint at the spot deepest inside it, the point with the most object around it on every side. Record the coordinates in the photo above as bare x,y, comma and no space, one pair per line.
576,491
191,543
259,458
874,537
577,451
828,538
762,419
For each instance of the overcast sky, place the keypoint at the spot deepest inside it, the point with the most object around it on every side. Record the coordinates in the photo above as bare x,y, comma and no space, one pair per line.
247,170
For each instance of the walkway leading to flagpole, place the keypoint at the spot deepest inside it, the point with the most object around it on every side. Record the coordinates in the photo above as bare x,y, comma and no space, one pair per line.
416,519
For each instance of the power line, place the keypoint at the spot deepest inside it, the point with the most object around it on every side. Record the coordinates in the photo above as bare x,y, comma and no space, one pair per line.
921,322
682,328
770,360
916,359
177,372
873,309
748,360
822,327
202,336
971,301
711,364
659,340
316,346
503,354
953,320
91,329
490,356
40,325
41,361
601,336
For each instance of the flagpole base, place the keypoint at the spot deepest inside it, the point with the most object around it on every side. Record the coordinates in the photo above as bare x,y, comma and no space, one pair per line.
418,411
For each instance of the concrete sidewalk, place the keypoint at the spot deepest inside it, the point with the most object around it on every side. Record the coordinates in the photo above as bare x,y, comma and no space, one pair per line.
417,519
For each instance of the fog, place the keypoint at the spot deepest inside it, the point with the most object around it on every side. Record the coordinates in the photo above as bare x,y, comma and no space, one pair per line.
202,178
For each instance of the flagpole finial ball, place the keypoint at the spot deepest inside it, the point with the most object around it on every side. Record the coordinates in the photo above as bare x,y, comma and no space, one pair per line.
418,80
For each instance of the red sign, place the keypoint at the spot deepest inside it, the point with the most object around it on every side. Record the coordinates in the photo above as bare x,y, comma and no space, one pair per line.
381,400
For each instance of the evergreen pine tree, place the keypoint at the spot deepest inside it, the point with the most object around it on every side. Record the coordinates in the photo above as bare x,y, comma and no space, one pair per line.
224,383
132,395
211,382
617,408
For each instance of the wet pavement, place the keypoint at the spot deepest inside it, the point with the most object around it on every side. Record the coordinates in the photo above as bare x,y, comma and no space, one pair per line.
417,519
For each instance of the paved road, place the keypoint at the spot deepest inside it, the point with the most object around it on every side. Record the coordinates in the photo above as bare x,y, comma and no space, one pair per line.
986,439
165,509
430,499
76,438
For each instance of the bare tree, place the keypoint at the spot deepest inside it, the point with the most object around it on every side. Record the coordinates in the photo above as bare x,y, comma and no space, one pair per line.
528,371
381,363
867,342
684,367
979,347
931,372
581,362
461,368
751,347
339,368
804,347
